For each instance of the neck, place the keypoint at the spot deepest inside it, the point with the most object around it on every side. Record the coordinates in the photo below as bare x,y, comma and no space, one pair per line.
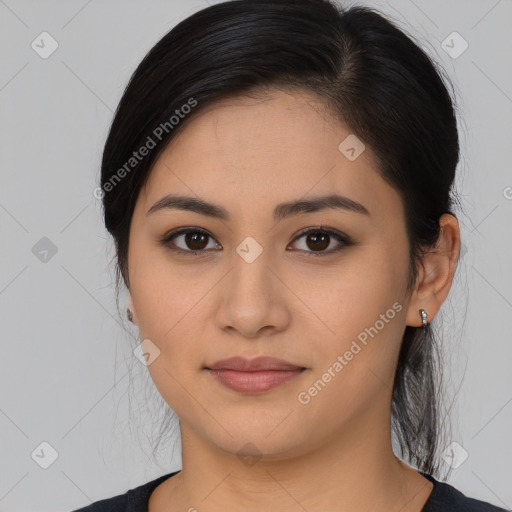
350,470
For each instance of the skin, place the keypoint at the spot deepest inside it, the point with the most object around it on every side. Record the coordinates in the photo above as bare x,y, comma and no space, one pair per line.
334,453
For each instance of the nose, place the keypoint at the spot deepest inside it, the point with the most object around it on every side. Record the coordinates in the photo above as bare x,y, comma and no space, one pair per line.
253,298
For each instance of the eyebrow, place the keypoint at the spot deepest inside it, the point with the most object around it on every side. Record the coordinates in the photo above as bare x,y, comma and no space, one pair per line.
281,211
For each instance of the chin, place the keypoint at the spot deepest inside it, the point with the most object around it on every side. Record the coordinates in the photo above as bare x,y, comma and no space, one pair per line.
266,443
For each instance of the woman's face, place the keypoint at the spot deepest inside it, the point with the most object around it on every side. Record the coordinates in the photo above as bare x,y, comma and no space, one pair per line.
259,286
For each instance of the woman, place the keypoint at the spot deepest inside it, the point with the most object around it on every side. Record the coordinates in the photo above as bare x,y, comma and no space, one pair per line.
278,182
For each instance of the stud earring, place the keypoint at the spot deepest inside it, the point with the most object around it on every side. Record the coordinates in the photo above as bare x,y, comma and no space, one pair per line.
129,314
423,314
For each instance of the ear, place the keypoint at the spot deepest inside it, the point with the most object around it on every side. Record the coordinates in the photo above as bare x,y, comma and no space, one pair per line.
435,275
129,304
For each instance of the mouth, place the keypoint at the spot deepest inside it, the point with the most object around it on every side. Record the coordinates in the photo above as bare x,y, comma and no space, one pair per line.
261,363
252,376
254,382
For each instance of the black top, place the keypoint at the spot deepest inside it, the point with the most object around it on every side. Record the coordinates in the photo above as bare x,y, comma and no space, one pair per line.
443,498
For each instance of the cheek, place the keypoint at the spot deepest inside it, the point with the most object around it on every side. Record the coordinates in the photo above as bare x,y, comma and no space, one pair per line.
354,294
354,367
165,293
170,319
362,317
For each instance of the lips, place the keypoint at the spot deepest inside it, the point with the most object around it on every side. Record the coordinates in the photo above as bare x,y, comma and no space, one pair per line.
262,363
252,376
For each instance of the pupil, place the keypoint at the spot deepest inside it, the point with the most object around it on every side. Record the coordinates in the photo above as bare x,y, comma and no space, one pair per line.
193,239
315,238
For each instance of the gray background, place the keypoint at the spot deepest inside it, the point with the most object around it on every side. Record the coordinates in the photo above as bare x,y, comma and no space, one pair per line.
65,359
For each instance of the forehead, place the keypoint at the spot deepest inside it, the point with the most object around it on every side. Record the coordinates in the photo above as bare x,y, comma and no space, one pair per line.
250,153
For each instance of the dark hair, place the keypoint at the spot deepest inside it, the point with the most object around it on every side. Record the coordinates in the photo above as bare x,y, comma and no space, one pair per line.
369,74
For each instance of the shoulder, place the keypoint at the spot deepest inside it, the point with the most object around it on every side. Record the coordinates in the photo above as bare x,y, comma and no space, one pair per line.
134,500
446,498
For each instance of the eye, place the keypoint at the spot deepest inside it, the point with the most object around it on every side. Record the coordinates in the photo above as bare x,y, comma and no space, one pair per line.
195,241
318,239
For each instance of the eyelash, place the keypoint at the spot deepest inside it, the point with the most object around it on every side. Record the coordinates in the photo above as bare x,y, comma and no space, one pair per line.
343,239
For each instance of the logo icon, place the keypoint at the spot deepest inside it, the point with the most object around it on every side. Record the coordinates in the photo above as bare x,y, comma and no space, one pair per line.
249,249
454,45
146,352
44,45
351,147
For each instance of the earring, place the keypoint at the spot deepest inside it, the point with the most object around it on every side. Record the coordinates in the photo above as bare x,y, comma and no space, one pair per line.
423,314
129,314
